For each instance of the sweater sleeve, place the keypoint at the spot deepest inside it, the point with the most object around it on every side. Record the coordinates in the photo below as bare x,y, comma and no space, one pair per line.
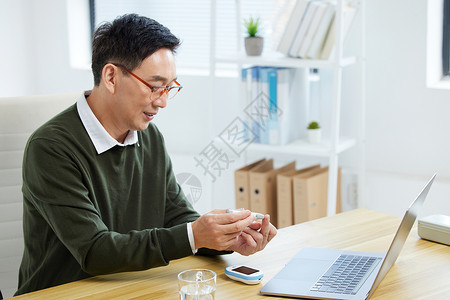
53,185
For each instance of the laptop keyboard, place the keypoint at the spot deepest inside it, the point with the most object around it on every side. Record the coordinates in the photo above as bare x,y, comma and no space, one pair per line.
346,275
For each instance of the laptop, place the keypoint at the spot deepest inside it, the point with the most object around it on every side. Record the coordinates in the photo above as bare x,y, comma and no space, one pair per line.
318,273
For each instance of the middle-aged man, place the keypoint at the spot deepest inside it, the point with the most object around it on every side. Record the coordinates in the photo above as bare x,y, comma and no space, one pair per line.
99,193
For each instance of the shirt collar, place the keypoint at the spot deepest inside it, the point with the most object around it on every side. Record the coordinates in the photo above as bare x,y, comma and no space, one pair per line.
101,139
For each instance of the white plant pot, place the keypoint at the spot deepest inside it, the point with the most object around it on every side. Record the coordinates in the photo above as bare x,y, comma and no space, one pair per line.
314,136
254,45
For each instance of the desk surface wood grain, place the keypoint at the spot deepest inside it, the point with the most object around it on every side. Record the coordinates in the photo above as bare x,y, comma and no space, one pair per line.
421,272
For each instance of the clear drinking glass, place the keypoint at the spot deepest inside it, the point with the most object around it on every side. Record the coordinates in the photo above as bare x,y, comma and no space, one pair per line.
197,284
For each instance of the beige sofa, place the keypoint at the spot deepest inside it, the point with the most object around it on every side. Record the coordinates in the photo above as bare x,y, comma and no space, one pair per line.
19,117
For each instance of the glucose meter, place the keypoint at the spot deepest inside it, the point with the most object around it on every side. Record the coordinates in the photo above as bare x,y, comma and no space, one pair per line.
245,274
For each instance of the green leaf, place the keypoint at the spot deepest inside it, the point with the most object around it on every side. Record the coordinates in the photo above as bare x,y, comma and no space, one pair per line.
252,26
313,125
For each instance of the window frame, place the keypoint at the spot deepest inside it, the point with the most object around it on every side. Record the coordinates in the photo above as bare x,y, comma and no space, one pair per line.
437,53
446,39
92,17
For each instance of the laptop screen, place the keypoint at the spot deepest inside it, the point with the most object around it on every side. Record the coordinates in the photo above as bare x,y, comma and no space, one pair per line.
401,235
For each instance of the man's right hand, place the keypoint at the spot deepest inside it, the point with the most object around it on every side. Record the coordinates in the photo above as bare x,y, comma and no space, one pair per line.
218,230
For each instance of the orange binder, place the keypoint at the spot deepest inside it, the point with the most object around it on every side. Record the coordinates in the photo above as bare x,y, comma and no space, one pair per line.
242,185
311,195
285,191
264,189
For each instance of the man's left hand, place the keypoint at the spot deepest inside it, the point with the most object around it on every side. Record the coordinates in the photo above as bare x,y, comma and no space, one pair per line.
255,237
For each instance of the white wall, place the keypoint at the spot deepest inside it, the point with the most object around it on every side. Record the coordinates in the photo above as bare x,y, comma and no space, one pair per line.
407,123
16,52
34,51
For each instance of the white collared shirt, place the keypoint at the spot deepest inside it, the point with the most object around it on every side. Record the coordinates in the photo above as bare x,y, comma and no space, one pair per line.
103,141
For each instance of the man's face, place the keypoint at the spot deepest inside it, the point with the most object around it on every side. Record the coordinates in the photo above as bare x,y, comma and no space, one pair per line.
134,105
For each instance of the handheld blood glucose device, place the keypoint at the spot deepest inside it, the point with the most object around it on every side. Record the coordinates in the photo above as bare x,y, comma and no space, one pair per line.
245,274
258,216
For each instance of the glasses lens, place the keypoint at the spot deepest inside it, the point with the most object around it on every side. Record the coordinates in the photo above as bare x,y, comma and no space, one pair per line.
173,92
157,93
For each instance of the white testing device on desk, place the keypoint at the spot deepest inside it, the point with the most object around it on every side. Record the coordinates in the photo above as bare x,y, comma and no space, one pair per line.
245,274
258,216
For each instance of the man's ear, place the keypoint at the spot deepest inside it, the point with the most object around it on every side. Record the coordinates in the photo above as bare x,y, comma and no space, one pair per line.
110,77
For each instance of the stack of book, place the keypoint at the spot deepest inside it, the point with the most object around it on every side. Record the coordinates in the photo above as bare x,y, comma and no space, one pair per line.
271,108
289,195
310,30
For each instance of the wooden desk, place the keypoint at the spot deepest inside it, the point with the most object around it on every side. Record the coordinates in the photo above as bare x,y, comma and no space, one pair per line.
421,272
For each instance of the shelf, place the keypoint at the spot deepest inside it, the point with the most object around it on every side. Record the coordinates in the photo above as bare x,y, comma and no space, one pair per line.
278,60
303,147
303,78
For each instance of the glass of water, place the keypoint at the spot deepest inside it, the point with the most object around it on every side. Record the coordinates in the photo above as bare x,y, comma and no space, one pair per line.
197,284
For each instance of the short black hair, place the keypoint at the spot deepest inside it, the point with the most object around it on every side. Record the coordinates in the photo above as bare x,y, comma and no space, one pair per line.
128,40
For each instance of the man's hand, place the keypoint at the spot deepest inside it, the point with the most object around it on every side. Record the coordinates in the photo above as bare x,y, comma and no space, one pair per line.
236,231
255,237
219,230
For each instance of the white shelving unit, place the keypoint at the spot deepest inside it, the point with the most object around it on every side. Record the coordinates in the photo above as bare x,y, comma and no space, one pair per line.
303,147
276,60
336,144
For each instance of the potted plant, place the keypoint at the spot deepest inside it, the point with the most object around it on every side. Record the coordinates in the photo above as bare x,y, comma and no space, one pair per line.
314,132
253,42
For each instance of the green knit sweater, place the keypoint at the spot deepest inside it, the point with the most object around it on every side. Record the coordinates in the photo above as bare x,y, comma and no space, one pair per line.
87,214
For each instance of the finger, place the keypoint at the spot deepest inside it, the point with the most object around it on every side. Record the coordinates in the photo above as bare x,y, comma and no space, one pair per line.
265,227
232,235
251,245
265,232
228,218
272,233
255,226
257,237
238,226
227,242
218,211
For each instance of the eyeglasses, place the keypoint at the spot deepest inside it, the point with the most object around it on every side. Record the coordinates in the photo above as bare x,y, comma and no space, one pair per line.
157,91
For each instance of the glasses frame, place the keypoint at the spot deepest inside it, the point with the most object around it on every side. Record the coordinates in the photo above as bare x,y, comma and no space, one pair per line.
166,88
